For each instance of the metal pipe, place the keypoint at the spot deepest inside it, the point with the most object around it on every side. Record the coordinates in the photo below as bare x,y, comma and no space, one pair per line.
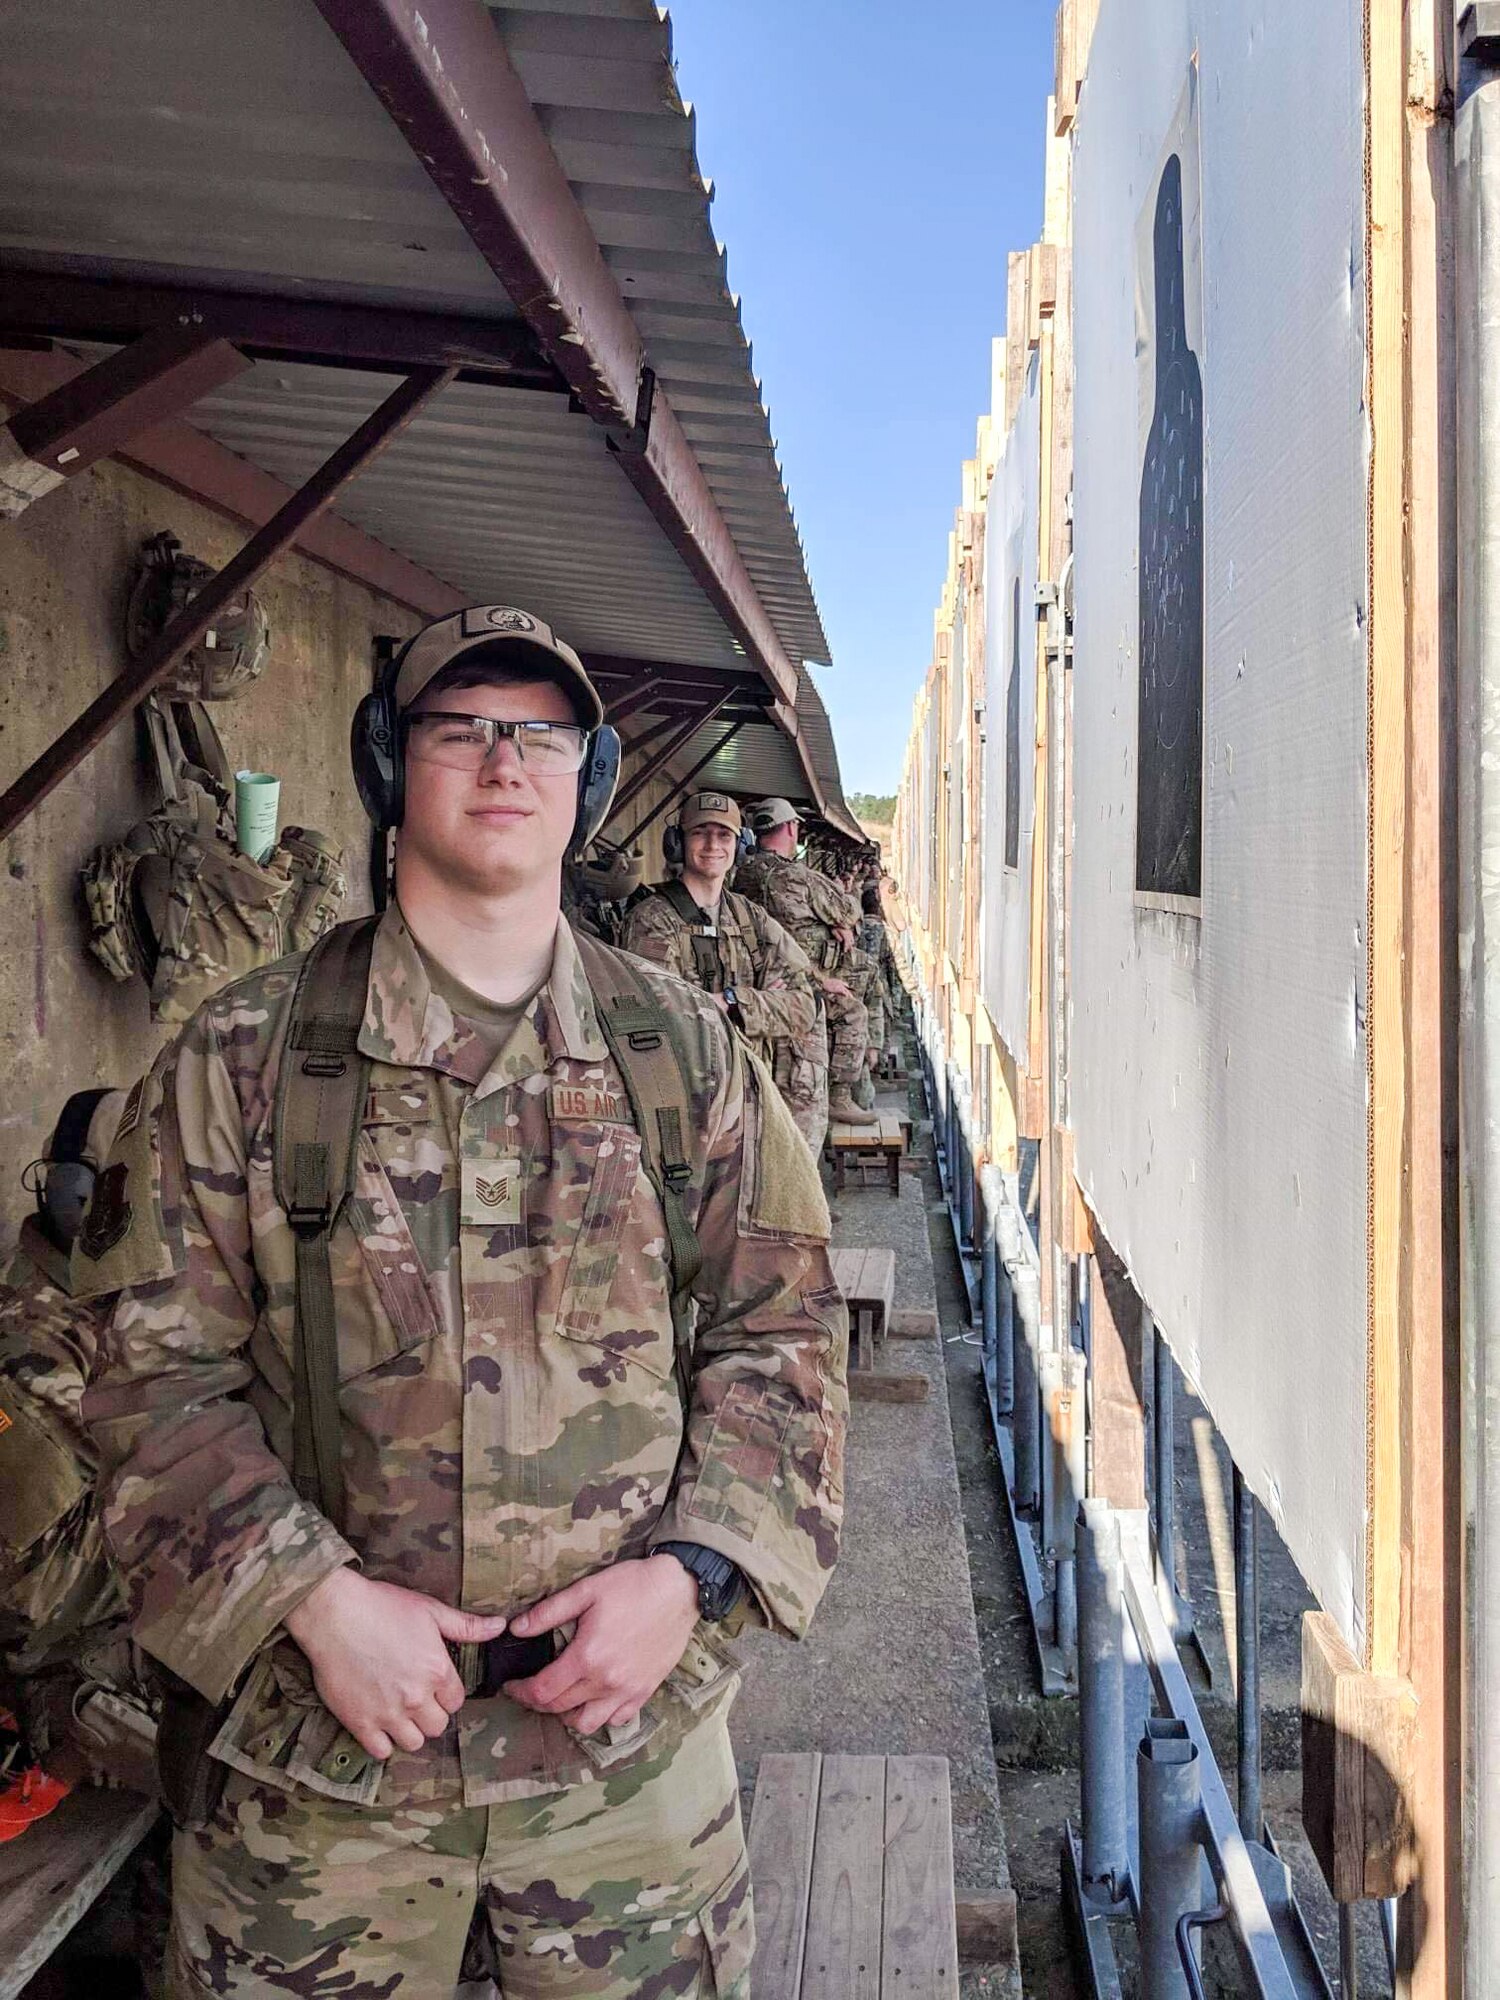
1348,1953
1247,1649
1164,1490
1476,151
1026,1414
999,1236
1101,1700
1171,1859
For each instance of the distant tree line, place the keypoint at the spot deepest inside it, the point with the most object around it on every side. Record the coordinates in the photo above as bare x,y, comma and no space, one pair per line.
874,806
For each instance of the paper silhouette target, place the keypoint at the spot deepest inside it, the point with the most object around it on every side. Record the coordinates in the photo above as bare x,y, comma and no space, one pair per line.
1169,780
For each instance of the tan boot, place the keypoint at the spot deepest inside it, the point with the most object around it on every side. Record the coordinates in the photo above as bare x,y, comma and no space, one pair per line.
843,1110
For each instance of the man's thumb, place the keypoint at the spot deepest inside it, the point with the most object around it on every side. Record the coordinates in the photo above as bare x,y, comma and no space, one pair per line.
467,1628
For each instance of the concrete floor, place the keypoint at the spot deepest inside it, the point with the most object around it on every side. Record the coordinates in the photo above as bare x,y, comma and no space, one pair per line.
892,1665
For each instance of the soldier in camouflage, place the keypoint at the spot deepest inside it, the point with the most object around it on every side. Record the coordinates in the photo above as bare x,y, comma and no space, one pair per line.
755,971
821,919
496,1689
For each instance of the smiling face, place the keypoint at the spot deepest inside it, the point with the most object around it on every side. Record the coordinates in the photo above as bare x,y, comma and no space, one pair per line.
504,826
709,849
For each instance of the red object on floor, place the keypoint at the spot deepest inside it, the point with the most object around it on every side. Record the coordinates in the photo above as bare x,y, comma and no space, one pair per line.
28,1798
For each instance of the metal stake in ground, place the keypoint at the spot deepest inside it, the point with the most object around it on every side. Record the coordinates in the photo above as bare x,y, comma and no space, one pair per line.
1171,1857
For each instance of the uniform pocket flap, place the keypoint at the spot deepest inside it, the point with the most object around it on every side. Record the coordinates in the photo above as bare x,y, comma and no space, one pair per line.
727,1921
40,1478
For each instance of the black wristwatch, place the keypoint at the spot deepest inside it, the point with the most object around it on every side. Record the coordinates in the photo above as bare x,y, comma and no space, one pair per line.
721,1583
732,1005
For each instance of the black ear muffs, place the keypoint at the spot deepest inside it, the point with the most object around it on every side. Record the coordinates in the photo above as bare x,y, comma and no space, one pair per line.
66,1183
375,753
747,845
673,847
598,777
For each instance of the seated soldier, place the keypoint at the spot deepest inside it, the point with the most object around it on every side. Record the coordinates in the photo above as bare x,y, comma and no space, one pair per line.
68,1662
757,972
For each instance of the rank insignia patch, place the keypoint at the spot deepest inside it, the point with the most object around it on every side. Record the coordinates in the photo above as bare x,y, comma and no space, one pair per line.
491,1191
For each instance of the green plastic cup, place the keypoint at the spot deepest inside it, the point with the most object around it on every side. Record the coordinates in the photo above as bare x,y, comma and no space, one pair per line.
257,803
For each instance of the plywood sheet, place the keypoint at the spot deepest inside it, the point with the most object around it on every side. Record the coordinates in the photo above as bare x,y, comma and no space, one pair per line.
1218,1087
1010,546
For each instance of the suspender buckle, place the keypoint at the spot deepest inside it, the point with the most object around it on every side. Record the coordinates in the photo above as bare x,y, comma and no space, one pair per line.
306,1220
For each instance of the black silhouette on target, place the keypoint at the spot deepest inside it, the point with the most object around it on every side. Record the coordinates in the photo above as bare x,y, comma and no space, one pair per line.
1169,789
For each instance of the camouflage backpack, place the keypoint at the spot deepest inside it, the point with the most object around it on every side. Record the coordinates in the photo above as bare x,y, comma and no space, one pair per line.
177,904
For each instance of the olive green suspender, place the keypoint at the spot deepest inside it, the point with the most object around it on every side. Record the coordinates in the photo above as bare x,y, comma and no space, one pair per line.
320,1100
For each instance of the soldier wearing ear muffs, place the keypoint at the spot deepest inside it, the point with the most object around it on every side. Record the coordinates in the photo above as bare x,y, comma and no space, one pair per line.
755,971
479,1363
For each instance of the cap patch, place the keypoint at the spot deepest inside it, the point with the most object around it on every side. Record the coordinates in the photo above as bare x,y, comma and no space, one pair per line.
496,618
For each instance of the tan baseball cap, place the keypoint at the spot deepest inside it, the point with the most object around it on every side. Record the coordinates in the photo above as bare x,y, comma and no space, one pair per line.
446,641
711,808
772,813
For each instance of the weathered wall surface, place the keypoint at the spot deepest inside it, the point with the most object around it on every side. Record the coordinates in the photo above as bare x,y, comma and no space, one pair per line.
65,570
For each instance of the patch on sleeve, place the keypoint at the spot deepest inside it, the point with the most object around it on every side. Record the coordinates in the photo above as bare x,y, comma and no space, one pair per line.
110,1213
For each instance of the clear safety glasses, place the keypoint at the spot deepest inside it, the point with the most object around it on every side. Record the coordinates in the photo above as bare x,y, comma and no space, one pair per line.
466,742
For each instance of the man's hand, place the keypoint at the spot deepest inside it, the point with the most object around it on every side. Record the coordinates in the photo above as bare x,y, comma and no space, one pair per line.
872,1058
845,935
378,1658
832,985
634,1622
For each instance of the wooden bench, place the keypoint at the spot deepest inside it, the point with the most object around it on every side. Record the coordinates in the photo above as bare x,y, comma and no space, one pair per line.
867,1279
880,1145
890,1068
852,1864
58,1868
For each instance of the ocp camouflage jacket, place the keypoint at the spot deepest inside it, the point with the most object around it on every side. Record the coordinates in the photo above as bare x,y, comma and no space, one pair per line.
511,1417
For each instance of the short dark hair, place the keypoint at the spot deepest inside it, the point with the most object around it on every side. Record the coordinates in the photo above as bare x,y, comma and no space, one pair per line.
506,663
871,902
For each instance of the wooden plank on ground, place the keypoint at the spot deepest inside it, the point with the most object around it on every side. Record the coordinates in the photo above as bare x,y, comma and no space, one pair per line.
912,1323
842,1960
782,1824
55,1871
919,1932
866,1386
986,1928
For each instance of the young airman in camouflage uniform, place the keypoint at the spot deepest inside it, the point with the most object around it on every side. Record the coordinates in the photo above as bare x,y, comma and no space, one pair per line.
819,916
519,1456
756,971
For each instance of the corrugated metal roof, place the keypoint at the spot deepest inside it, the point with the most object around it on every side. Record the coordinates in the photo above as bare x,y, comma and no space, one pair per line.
236,144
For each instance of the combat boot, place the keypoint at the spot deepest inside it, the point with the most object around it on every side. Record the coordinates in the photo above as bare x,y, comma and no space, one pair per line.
842,1108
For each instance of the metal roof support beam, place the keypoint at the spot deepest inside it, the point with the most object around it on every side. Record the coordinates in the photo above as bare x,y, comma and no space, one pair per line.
151,667
650,734
62,434
501,352
631,702
689,729
682,784
441,70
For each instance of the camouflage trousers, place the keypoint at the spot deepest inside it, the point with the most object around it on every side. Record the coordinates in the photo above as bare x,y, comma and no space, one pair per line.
848,1036
637,1885
861,972
801,1073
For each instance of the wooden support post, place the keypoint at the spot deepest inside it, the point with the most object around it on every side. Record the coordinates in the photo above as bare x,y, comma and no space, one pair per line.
83,420
152,666
1119,1416
1015,334
1358,1741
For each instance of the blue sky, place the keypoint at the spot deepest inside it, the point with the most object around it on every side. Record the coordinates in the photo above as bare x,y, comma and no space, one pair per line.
873,163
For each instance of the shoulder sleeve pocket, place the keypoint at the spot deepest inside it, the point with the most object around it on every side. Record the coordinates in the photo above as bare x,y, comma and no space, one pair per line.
780,1192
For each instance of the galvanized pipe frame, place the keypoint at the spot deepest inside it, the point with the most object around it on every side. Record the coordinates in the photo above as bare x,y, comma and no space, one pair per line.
1164,1894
